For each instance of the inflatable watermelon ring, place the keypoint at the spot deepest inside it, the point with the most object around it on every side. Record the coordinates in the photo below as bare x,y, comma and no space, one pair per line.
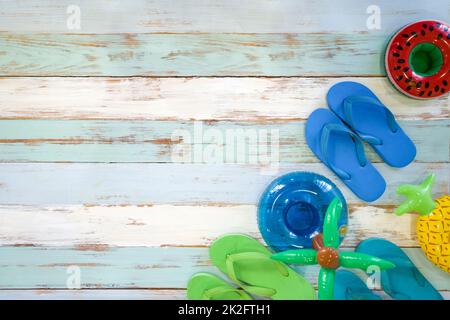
417,59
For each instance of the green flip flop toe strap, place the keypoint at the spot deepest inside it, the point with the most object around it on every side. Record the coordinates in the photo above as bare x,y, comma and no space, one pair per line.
231,261
211,293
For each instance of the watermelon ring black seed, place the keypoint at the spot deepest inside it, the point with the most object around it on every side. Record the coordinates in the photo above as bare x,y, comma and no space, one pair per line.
411,60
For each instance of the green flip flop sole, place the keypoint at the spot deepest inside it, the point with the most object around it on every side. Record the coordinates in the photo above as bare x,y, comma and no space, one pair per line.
247,262
205,286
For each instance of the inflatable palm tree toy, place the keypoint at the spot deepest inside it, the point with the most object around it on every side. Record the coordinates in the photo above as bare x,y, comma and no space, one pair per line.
325,253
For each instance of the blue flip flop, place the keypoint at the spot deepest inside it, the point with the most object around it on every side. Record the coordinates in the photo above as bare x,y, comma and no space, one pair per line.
366,115
404,282
348,286
342,151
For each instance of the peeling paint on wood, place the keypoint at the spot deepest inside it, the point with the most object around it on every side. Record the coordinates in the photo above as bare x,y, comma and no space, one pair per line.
120,267
154,141
124,224
155,183
97,294
225,54
250,16
260,100
97,228
116,294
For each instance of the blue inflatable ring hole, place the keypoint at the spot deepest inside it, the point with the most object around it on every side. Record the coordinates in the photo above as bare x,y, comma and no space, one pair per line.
302,218
292,209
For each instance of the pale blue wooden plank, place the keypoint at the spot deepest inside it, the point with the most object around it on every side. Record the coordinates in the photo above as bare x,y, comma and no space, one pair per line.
133,183
116,294
133,267
250,16
150,141
191,54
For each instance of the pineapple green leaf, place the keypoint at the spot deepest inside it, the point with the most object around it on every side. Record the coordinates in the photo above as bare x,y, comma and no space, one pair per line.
419,198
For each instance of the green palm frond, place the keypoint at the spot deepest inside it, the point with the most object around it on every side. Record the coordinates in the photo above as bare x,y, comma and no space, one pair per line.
300,256
362,261
330,224
326,284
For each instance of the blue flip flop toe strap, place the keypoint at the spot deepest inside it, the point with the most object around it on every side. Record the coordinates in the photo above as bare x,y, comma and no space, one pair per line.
327,130
350,102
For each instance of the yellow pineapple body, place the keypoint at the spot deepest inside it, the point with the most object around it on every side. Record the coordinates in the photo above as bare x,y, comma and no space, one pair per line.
433,232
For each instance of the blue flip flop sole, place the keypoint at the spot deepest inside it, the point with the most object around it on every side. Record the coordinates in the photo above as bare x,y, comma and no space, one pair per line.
404,282
371,118
365,181
348,286
396,148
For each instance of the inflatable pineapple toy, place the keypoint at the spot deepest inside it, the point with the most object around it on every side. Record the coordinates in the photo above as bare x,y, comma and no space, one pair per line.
326,253
433,225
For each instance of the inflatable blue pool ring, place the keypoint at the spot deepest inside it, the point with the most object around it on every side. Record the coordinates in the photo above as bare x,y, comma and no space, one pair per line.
292,208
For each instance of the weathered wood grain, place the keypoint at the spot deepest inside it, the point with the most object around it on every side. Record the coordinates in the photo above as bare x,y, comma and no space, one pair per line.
131,231
166,225
116,294
223,54
252,16
243,99
158,141
134,267
96,294
153,183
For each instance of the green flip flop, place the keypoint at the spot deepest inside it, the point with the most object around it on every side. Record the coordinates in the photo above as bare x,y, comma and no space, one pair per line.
206,286
247,262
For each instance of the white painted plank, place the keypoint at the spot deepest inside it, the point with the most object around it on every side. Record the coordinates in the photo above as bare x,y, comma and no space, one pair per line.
94,294
246,99
168,225
252,16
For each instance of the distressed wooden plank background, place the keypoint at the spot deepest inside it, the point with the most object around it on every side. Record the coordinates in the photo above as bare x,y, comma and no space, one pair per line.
148,183
132,225
235,99
130,267
215,16
154,141
88,122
